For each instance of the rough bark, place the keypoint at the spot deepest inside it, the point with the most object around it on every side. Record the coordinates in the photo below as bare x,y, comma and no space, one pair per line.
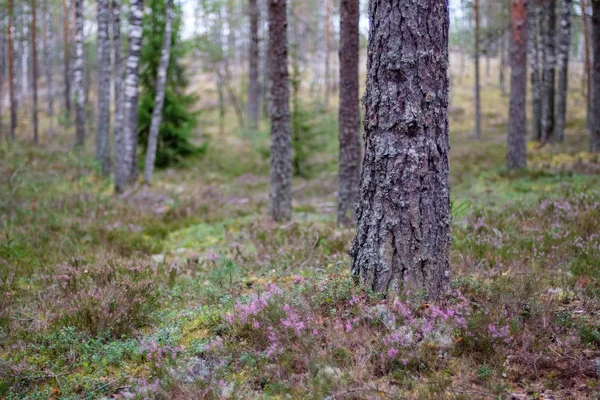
126,138
533,33
349,114
78,76
403,217
161,81
595,137
34,68
477,90
516,152
104,64
253,57
11,71
280,194
548,68
562,63
48,64
66,72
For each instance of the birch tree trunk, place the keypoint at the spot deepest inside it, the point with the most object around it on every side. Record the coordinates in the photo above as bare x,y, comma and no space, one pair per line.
66,71
403,217
280,194
548,36
104,64
349,114
595,137
117,70
533,33
562,60
126,137
516,153
34,65
11,71
48,64
477,78
161,81
253,57
78,75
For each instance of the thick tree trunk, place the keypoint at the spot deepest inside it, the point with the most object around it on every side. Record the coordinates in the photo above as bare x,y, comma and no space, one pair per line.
34,70
477,90
403,217
588,63
78,75
11,71
126,137
253,57
66,72
562,61
595,138
48,55
534,67
104,64
161,81
548,68
349,114
516,152
280,195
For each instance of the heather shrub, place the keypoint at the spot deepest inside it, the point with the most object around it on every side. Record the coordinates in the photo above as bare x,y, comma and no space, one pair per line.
112,297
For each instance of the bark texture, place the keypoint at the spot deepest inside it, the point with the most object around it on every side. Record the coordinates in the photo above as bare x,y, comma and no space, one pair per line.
280,194
349,114
48,54
103,122
161,81
562,63
548,68
11,71
126,137
117,69
403,217
66,71
595,138
34,68
253,57
78,75
533,32
477,78
516,154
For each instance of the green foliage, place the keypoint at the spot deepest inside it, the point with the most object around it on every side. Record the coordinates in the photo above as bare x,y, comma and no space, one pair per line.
178,120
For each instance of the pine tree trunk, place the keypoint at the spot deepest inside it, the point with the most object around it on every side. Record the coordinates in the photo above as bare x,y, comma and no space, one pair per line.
562,61
477,78
516,152
349,114
161,81
280,195
78,75
11,71
253,56
48,54
548,68
533,33
403,229
126,137
104,64
34,69
66,72
595,138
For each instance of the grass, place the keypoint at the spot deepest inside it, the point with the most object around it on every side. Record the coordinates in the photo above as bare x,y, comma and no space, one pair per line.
187,290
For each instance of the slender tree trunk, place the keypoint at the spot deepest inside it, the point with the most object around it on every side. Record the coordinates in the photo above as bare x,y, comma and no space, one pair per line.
104,64
2,72
34,70
516,152
161,81
349,114
595,138
280,195
66,75
117,72
403,217
11,71
78,75
327,51
501,77
588,63
48,54
548,68
534,66
126,138
477,78
562,60
253,57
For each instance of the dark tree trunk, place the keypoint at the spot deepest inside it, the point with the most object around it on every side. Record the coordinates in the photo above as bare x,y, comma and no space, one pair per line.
103,123
253,57
595,138
34,69
477,79
403,217
516,152
159,99
78,75
534,66
548,68
280,195
562,60
66,72
349,117
11,71
48,54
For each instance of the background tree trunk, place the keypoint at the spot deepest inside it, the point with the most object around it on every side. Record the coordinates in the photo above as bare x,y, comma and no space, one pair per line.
477,78
516,153
562,60
66,72
501,76
595,138
588,63
280,195
48,63
104,64
403,229
349,113
161,81
117,71
78,75
327,51
253,57
533,30
11,71
548,35
34,69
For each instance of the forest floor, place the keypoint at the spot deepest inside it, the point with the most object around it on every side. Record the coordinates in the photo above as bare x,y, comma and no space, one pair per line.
187,290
